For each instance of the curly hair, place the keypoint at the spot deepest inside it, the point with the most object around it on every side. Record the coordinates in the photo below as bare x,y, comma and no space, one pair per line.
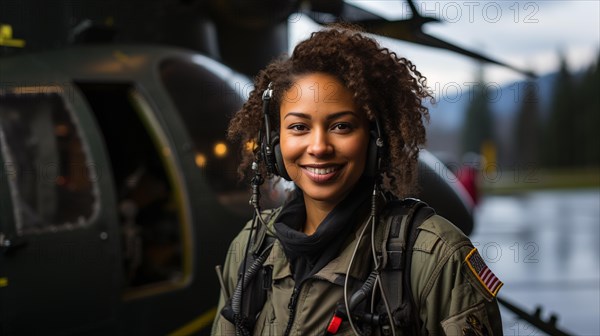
385,86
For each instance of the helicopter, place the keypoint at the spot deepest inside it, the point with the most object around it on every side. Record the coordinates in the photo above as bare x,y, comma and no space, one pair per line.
118,189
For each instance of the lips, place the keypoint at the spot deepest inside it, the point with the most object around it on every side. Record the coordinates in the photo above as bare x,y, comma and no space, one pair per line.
322,174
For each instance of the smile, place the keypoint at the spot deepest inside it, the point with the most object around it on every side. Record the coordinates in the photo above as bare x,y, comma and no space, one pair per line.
322,174
321,171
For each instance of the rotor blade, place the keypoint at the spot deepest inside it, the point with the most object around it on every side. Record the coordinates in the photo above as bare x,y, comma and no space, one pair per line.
426,39
409,30
403,30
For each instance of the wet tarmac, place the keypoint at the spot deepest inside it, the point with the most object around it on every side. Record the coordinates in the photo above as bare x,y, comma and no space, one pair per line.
545,247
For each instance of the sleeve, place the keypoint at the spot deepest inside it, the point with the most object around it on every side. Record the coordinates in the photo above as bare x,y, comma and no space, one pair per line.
461,299
235,255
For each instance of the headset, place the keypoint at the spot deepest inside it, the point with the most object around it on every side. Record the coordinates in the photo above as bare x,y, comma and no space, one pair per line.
270,151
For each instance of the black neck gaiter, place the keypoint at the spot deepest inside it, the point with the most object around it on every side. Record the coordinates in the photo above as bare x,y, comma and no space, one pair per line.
308,254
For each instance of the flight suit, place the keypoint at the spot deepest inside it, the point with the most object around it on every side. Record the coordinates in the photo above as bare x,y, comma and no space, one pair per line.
452,296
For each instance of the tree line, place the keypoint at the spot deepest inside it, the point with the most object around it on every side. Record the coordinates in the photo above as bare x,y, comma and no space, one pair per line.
566,136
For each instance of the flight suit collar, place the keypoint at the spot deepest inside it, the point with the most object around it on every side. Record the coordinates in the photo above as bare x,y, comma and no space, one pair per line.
335,270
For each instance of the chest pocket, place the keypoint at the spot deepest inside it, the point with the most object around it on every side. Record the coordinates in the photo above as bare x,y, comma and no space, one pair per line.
273,317
266,323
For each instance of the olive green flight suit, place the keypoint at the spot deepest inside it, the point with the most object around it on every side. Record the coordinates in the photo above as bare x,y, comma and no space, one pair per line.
451,298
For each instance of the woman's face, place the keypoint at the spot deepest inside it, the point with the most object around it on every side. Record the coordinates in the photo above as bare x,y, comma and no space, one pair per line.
323,137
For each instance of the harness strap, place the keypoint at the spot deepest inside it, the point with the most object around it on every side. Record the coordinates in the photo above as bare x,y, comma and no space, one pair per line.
400,233
421,213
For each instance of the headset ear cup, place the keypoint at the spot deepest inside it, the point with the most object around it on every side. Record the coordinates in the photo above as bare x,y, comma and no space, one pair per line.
372,156
279,166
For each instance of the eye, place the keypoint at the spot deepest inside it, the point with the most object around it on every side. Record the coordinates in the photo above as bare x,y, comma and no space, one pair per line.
342,127
298,128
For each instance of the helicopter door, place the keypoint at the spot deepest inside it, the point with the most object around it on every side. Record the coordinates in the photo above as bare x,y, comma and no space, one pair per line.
59,263
155,225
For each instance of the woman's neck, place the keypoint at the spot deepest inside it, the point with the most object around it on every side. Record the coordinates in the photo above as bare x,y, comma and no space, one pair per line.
316,211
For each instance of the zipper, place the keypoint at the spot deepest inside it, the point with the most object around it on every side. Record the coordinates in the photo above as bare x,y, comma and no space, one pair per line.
292,310
292,305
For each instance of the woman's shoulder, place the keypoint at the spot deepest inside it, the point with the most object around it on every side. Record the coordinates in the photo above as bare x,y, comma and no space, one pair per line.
431,226
439,228
268,216
441,241
237,248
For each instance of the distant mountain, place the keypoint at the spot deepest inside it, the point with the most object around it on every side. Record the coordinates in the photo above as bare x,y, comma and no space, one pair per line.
448,114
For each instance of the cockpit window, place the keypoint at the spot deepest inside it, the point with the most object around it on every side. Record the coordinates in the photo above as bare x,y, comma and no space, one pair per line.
51,178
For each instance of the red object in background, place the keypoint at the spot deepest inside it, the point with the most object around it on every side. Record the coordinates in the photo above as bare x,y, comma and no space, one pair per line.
467,176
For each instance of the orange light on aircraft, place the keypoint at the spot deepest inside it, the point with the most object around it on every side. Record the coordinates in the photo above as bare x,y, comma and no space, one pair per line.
220,149
200,160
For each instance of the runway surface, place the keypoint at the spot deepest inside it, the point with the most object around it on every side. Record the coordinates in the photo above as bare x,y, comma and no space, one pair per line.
545,247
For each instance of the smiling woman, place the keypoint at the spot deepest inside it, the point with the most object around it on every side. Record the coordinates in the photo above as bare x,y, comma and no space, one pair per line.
343,120
323,142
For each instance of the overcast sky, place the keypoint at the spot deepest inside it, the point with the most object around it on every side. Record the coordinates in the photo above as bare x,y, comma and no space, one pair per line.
527,34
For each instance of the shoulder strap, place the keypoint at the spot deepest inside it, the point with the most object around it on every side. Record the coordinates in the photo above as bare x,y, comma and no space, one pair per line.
403,218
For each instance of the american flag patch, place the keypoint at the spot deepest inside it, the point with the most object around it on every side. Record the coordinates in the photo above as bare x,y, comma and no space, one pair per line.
482,272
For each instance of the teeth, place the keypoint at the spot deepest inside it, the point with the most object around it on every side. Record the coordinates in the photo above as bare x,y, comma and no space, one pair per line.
321,171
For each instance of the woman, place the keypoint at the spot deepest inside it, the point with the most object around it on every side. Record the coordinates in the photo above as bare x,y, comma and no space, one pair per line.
344,123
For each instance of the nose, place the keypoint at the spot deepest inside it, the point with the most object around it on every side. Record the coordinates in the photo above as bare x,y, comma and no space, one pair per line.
319,145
